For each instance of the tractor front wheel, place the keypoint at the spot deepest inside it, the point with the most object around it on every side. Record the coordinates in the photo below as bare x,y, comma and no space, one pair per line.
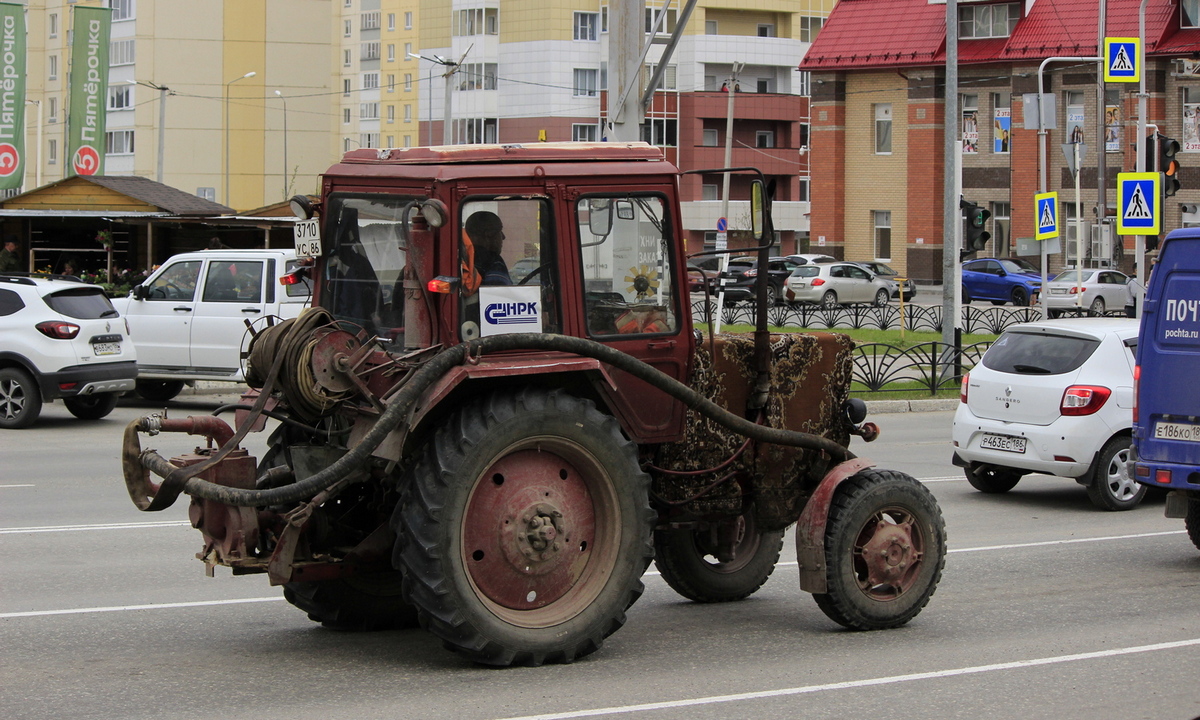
688,560
885,546
524,529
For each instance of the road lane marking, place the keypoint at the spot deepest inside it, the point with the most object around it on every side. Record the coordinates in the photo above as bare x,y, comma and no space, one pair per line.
97,526
14,486
124,608
869,682
648,573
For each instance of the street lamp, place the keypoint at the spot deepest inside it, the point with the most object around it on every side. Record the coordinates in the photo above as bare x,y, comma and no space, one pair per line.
451,68
162,121
247,75
285,159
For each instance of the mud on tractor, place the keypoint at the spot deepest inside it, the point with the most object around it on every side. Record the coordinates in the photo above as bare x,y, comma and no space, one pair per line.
498,412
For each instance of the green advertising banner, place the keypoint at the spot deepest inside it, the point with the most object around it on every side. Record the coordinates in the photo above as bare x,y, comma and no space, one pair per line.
12,95
88,90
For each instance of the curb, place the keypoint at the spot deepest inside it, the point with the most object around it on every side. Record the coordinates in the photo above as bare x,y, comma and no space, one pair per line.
884,407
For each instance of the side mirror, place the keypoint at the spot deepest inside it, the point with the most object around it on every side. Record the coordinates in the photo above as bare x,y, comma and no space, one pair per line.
140,292
600,217
758,200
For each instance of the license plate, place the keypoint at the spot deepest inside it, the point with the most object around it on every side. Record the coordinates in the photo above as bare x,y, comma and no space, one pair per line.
106,348
1003,443
1058,291
307,234
1176,431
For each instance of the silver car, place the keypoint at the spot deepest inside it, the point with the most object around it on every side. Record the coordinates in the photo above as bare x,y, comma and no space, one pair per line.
836,283
1099,290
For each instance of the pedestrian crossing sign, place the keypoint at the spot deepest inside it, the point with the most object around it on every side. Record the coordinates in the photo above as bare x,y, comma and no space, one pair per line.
1139,210
1047,215
1122,60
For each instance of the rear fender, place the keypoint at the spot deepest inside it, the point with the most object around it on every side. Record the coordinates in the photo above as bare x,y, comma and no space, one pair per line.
810,529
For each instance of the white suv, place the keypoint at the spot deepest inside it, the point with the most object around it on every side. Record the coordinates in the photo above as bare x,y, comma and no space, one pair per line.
1053,397
61,339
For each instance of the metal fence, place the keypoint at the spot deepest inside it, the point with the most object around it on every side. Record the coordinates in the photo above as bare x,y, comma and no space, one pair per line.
925,368
987,320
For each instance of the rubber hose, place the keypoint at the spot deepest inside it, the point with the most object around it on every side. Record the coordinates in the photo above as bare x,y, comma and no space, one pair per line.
449,358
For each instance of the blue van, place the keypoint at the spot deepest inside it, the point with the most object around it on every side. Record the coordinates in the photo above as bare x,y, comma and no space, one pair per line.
1166,411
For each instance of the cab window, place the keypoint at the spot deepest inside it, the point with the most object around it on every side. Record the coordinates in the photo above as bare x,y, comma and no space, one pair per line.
625,243
176,282
234,281
507,243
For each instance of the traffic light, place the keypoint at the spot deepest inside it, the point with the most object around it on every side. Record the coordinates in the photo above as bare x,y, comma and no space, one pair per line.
975,236
1162,150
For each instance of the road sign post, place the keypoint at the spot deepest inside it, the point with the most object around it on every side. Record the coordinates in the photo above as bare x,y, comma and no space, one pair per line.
1047,215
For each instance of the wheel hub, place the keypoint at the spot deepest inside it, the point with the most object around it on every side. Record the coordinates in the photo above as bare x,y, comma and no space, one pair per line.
529,530
890,557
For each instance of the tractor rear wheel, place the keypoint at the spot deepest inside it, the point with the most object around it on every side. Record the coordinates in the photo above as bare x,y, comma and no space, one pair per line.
1192,521
524,529
885,546
688,562
361,602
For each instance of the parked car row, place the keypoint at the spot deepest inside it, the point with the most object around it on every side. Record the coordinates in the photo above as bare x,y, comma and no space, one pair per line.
806,278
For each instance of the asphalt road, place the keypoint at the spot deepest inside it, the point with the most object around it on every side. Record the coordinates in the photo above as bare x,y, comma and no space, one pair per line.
1048,609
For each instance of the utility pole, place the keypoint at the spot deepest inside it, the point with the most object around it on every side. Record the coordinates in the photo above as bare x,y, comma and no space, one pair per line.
625,39
730,86
951,180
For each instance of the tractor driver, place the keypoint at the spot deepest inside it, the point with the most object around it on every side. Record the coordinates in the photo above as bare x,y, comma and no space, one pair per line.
487,235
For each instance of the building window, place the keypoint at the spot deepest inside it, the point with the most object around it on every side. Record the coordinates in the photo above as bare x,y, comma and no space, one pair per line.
346,58
764,139
408,141
803,84
1000,227
347,28
120,97
408,51
391,54
883,235
391,25
809,27
52,67
477,21
345,116
803,186
652,17
52,152
370,81
407,82
208,193
803,135
1002,122
370,50
710,27
970,123
668,80
660,132
883,128
346,141
766,30
368,111
765,85
118,142
52,24
1112,120
121,52
370,20
391,118
346,87
52,110
391,83
710,192
477,76
474,131
710,137
988,21
587,26
368,140
121,10
408,113
391,141
408,20
348,3
585,82
584,133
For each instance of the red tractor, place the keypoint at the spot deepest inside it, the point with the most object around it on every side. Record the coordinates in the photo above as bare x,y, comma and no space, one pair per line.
498,412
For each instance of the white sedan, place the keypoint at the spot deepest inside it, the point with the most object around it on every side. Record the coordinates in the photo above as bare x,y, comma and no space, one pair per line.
836,283
1093,290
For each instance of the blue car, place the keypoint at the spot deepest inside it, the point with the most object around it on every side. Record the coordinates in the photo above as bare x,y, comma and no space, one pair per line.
1001,280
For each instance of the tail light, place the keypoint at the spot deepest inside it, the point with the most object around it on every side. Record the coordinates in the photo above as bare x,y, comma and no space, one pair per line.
1083,399
1137,377
295,277
817,282
1074,290
750,273
962,391
58,330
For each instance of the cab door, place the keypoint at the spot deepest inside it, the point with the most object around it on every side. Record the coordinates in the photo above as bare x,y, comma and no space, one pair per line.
232,293
633,298
161,314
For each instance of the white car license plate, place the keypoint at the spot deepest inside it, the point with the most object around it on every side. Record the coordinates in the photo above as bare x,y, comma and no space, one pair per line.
1058,291
1176,431
308,237
1003,443
106,348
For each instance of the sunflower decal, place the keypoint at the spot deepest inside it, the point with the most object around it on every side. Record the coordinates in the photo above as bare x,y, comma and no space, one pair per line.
642,280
